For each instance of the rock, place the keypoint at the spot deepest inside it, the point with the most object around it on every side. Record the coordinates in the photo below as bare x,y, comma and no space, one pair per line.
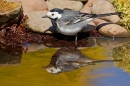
109,29
74,5
32,5
103,6
111,1
36,23
88,6
10,13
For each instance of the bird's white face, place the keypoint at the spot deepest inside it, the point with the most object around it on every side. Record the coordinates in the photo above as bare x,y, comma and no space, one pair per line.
54,15
53,70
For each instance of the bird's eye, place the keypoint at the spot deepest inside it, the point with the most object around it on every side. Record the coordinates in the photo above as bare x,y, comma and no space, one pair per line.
52,14
51,70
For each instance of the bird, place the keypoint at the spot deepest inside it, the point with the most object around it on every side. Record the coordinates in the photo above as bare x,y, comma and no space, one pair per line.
68,59
70,22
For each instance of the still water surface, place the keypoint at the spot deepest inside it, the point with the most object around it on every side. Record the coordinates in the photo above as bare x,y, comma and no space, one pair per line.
30,71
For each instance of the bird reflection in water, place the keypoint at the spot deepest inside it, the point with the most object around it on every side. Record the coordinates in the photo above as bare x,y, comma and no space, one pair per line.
68,59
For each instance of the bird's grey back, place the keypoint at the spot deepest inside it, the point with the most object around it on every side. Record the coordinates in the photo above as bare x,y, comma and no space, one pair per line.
70,13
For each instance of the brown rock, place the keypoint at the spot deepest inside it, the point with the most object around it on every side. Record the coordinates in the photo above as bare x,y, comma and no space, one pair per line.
36,23
12,16
109,29
88,6
32,5
111,1
74,5
103,6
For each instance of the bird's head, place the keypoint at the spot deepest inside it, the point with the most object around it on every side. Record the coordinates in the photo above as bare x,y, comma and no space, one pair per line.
53,70
54,13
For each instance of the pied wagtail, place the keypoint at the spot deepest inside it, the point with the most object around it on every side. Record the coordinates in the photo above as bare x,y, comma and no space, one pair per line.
70,22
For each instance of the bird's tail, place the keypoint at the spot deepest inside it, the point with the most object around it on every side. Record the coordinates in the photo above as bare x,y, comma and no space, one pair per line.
97,61
106,14
92,62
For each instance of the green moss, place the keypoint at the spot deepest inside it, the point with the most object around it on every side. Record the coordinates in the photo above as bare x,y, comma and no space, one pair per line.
7,6
124,7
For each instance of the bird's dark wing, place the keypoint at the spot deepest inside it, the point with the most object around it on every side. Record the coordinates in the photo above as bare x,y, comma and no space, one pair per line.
84,16
73,19
81,17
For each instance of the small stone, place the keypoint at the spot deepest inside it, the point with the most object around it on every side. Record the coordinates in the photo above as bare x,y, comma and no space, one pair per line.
74,5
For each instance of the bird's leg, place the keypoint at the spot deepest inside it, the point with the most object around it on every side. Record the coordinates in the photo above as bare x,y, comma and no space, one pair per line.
76,40
113,37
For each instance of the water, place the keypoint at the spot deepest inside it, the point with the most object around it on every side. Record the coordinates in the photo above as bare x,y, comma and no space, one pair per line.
28,69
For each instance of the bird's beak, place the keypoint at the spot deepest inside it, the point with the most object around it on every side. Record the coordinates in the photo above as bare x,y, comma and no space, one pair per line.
45,16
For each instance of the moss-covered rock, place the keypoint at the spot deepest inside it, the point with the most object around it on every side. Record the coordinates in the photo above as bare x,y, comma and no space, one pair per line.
5,6
10,13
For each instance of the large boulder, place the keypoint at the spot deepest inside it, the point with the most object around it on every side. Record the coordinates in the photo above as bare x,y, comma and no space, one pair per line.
32,5
10,13
74,5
